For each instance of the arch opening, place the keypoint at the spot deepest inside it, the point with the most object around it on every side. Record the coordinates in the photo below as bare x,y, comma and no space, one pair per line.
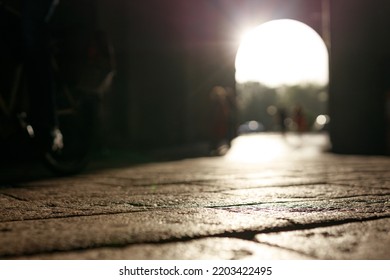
281,67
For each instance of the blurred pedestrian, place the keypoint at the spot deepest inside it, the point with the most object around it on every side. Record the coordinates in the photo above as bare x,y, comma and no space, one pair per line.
281,119
299,119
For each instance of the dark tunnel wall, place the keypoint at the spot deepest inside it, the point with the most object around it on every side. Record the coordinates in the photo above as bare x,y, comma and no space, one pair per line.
359,76
170,54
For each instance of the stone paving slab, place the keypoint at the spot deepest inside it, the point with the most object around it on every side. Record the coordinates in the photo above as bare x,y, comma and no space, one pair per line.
297,206
363,240
82,232
64,199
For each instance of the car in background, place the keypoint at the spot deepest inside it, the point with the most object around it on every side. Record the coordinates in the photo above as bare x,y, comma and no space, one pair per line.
250,127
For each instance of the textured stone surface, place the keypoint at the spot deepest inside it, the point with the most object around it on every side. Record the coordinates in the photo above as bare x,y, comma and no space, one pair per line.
300,203
362,240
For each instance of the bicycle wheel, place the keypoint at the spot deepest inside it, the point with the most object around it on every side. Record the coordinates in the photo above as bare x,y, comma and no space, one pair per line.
76,121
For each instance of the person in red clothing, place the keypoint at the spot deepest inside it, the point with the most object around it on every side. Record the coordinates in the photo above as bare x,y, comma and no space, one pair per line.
299,119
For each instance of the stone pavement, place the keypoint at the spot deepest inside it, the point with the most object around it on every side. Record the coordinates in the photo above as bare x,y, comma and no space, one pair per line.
264,200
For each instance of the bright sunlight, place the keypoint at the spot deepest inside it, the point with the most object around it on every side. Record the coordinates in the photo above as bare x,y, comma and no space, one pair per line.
282,52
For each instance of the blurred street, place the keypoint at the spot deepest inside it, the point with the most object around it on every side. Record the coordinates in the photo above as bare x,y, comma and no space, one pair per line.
269,197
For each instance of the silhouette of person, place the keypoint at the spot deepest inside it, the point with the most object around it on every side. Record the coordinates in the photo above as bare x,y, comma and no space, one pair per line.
299,119
37,61
281,119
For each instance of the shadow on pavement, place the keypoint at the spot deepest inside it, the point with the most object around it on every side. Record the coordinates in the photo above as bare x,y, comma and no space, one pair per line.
254,148
18,167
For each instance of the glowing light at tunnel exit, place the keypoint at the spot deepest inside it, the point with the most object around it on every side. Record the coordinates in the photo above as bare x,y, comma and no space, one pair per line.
282,52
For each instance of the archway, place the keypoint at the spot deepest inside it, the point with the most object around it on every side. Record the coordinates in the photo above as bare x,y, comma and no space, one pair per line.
280,64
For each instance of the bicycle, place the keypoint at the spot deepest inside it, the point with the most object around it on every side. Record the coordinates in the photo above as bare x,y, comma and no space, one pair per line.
79,89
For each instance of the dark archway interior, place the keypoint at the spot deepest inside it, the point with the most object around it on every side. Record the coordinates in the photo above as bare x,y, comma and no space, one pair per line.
170,54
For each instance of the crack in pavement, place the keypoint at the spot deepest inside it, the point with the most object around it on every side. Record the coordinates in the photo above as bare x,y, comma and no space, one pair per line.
14,197
248,235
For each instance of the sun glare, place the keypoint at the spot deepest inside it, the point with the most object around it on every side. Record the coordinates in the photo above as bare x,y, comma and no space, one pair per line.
282,52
